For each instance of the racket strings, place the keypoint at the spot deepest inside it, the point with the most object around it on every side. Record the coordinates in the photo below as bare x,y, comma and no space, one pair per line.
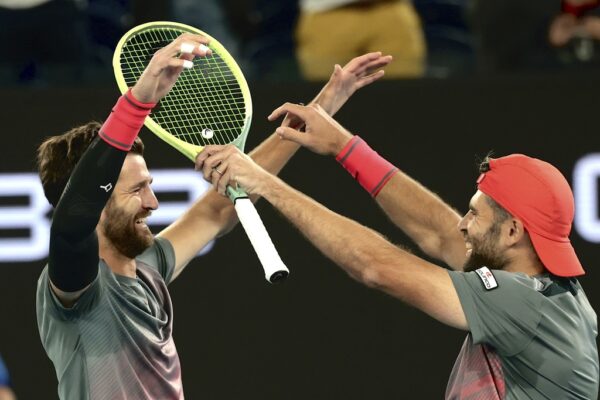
206,97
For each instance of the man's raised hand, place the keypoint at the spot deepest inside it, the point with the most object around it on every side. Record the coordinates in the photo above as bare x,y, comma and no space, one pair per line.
167,64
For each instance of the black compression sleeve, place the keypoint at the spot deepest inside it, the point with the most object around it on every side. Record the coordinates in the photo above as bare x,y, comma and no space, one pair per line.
73,260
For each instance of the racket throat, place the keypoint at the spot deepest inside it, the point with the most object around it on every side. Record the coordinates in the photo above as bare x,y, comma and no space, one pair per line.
236,193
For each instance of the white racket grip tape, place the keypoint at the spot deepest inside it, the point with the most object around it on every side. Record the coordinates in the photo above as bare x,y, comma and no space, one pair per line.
275,269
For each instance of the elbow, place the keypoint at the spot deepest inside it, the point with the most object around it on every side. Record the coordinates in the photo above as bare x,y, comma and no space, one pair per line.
371,277
380,277
371,267
432,246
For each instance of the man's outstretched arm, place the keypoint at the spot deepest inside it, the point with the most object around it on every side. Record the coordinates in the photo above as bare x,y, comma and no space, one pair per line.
420,213
73,259
212,215
363,253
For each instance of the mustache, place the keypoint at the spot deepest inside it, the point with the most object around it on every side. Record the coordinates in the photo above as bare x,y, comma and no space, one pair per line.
143,214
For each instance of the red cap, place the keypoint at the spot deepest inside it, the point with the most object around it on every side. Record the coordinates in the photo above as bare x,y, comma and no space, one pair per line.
538,194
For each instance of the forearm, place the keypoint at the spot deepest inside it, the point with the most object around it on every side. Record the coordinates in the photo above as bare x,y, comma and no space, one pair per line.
424,217
368,257
73,231
272,155
73,235
344,241
214,215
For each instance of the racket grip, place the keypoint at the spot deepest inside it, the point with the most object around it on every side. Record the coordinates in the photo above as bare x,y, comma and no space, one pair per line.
275,269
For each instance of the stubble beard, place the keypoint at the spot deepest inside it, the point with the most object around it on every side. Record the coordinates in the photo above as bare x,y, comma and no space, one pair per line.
484,252
119,227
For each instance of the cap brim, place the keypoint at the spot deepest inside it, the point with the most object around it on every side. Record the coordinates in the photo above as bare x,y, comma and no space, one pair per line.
558,257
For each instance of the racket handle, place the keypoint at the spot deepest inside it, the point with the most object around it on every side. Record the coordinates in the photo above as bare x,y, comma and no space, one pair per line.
275,269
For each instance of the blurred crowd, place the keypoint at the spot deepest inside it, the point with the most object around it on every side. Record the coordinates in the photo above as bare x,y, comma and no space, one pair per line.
70,41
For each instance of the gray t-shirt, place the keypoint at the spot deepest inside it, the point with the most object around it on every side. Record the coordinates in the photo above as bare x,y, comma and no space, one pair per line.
530,338
116,342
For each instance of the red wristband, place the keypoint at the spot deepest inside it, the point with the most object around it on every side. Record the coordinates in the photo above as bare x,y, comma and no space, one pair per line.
125,121
366,166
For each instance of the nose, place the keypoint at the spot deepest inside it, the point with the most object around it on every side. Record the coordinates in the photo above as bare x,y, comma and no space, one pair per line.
150,202
462,224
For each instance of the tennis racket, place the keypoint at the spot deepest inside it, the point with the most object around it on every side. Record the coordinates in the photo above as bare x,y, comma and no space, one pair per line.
209,104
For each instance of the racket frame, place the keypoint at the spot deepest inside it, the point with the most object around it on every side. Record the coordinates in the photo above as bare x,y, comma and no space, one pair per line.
188,149
275,269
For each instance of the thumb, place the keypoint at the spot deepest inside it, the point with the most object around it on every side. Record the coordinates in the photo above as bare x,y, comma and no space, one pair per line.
337,69
287,133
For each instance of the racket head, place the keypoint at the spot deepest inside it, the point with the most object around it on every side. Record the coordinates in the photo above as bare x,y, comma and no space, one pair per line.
212,97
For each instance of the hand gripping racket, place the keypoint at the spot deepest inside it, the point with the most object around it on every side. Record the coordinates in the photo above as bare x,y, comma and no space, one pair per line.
209,104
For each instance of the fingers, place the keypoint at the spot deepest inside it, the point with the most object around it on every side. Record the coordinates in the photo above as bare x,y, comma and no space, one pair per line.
215,163
208,158
193,48
220,181
180,53
291,108
291,134
367,80
188,43
361,61
378,63
286,120
368,63
180,63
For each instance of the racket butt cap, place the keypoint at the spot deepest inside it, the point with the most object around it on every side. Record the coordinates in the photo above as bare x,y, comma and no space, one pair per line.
278,276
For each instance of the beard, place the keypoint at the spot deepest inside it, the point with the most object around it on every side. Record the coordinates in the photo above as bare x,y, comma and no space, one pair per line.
484,252
121,231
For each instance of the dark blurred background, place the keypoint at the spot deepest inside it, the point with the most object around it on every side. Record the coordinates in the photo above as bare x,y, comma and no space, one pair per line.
471,76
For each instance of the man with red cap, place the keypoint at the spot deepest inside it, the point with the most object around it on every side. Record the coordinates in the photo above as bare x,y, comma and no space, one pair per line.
532,332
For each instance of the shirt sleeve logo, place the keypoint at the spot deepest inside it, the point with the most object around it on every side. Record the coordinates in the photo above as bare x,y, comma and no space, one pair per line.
488,279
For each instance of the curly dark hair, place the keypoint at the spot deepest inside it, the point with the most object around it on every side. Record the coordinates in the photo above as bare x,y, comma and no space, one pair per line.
57,156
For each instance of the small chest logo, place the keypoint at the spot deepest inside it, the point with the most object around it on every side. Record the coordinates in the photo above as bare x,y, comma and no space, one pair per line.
488,279
107,188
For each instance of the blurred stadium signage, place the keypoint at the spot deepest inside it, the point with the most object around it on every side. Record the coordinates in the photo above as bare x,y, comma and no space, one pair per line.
24,219
25,224
586,175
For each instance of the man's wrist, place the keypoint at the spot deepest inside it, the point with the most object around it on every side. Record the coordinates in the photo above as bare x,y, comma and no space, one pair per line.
125,121
269,186
366,166
137,95
342,143
325,100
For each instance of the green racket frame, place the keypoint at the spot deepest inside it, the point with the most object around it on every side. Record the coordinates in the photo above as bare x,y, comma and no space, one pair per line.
188,149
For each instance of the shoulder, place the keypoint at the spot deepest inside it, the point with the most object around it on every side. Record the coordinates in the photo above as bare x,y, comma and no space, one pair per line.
502,308
47,302
488,280
159,257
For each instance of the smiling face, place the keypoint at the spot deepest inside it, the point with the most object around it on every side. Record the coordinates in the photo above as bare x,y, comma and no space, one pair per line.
123,220
482,230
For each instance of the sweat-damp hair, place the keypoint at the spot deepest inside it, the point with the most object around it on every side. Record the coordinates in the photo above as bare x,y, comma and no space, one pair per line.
58,155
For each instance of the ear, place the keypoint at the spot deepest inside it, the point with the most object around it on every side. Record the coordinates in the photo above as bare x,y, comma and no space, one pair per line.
516,231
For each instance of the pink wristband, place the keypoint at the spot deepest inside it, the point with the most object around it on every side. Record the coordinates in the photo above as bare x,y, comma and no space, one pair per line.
366,166
125,121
